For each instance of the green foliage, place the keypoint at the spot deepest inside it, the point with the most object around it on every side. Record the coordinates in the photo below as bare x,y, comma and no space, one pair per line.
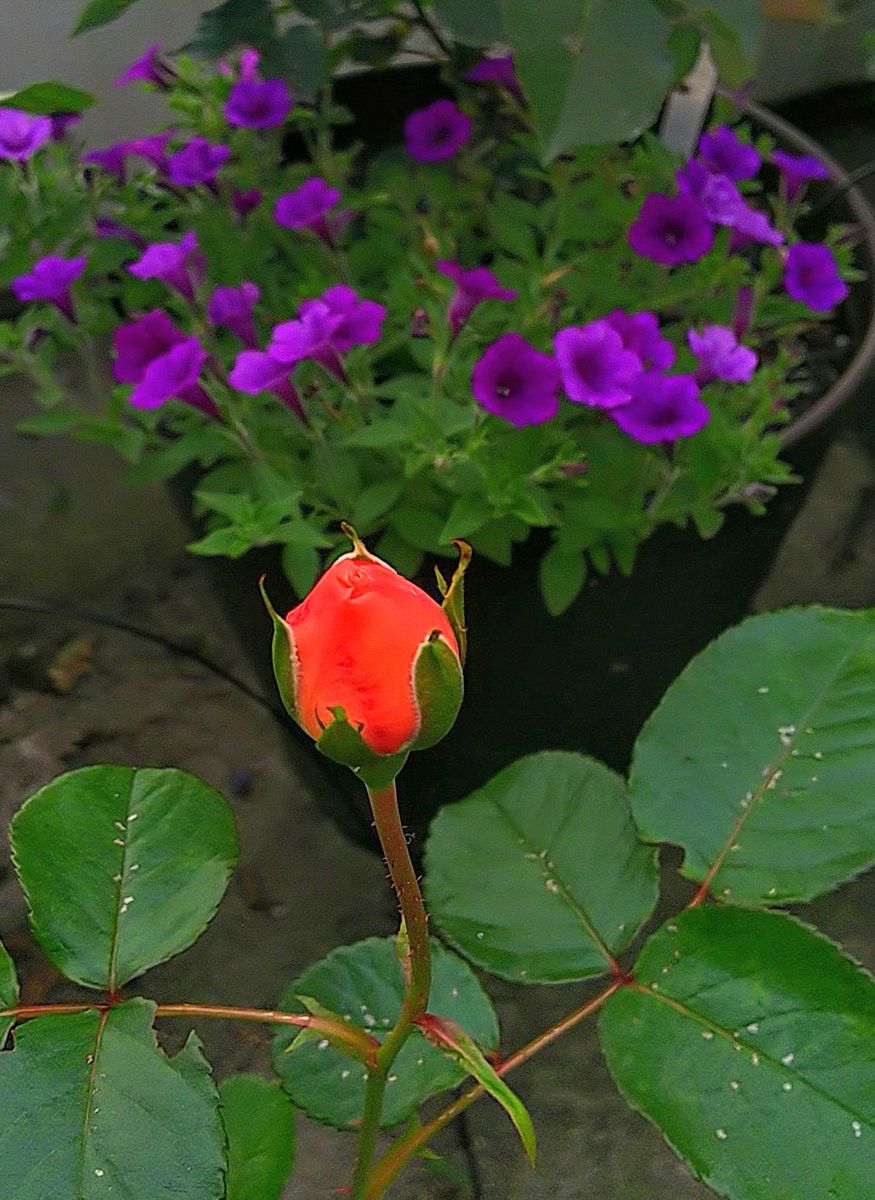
90,1107
48,98
260,1125
363,984
471,24
760,760
100,12
8,991
122,868
749,1041
538,877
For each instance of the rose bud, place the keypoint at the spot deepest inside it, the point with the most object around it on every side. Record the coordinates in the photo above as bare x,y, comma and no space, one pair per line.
370,665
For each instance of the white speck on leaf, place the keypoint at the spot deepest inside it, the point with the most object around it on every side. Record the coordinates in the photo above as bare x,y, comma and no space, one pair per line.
369,1019
753,1027
720,1134
552,886
763,691
787,1059
323,1044
733,1083
344,1074
707,1034
788,1087
857,1128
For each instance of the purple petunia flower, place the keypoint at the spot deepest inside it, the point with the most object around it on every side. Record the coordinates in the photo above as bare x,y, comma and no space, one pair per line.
796,170
472,287
257,371
308,208
258,103
197,162
232,307
724,151
112,160
173,375
434,133
149,68
50,279
812,276
22,134
721,356
141,342
639,332
249,62
361,321
662,408
725,205
671,229
309,336
594,367
517,382
244,202
153,148
107,227
62,122
179,265
500,71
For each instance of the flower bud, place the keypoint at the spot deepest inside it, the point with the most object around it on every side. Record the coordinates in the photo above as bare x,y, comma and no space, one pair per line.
369,665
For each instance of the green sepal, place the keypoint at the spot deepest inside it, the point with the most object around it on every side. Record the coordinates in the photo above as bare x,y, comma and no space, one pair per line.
454,596
282,651
344,1036
438,686
343,744
458,1045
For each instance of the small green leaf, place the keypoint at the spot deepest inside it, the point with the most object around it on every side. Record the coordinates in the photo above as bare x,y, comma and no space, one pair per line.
468,514
100,12
749,1040
122,868
460,1046
760,759
8,991
260,1124
364,983
561,576
538,876
233,23
471,24
48,98
90,1107
301,566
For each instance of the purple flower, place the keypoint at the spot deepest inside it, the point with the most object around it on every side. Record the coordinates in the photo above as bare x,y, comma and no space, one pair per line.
257,371
141,342
22,134
500,71
727,154
61,122
197,162
517,382
812,276
725,205
742,314
671,229
172,375
361,321
153,148
258,103
112,160
250,59
179,265
107,227
50,279
310,336
662,408
232,307
750,225
436,132
472,287
639,332
308,208
244,202
796,170
149,68
594,367
721,356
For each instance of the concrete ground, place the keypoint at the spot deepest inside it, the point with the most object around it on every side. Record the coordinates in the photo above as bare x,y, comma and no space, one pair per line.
72,532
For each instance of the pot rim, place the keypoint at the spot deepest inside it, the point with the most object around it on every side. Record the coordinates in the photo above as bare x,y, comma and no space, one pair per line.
864,358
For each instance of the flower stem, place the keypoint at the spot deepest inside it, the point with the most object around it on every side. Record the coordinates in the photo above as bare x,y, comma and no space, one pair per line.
416,966
387,1168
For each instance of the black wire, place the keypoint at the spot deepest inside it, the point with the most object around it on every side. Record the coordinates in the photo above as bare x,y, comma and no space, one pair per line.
852,180
24,604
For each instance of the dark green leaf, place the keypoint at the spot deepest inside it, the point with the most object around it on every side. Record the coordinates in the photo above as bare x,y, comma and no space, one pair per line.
364,983
122,868
260,1124
538,876
375,501
8,991
567,61
49,97
298,54
561,577
760,760
468,514
100,12
301,567
750,1041
476,24
234,23
90,1108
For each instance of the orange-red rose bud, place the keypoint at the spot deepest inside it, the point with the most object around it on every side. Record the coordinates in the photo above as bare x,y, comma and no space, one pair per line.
369,664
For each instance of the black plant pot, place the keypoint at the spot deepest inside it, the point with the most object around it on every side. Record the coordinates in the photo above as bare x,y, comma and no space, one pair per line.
587,680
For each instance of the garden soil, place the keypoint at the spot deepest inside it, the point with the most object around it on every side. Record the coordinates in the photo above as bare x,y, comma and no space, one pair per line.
72,693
